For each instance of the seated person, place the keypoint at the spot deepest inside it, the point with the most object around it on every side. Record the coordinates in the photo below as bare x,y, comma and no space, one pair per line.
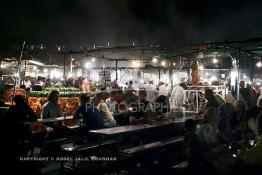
92,118
140,109
161,104
208,129
108,118
224,125
254,155
211,100
15,121
193,145
111,103
241,133
52,109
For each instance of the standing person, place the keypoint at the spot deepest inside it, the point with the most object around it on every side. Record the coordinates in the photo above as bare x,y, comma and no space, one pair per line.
130,86
224,126
163,89
245,93
259,98
230,97
151,92
178,99
27,83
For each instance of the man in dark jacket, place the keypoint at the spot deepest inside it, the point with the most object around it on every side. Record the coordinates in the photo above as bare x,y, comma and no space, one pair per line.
92,118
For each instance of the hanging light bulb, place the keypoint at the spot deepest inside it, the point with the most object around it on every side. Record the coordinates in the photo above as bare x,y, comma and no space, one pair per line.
201,67
154,60
214,60
163,63
259,64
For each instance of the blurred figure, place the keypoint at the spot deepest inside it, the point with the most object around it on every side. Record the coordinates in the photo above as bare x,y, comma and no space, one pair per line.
109,120
27,83
192,143
52,109
195,154
16,135
224,126
15,119
252,115
92,118
254,155
178,99
239,123
209,128
163,89
151,92
240,112
259,98
140,108
111,103
211,100
230,97
220,100
245,93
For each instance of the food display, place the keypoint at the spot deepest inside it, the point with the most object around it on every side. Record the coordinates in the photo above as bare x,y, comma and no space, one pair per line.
69,100
68,104
9,93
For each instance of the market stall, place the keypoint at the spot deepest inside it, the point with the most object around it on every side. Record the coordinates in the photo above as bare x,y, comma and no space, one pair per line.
69,100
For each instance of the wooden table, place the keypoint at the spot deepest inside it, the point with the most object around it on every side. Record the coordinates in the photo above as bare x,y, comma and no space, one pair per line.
120,130
37,125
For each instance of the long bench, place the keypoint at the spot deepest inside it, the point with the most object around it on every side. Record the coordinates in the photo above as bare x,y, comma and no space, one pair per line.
152,146
86,150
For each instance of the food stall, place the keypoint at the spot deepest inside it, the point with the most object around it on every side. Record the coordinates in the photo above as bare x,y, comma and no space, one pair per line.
69,100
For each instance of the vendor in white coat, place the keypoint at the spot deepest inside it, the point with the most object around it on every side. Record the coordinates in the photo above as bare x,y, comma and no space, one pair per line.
178,99
151,92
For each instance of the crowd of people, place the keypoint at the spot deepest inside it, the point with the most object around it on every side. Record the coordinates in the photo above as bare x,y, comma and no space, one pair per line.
232,125
235,123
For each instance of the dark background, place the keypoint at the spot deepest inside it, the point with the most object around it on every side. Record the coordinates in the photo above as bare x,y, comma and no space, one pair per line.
75,23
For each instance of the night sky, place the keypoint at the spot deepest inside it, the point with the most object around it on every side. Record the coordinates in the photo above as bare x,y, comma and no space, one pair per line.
121,22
